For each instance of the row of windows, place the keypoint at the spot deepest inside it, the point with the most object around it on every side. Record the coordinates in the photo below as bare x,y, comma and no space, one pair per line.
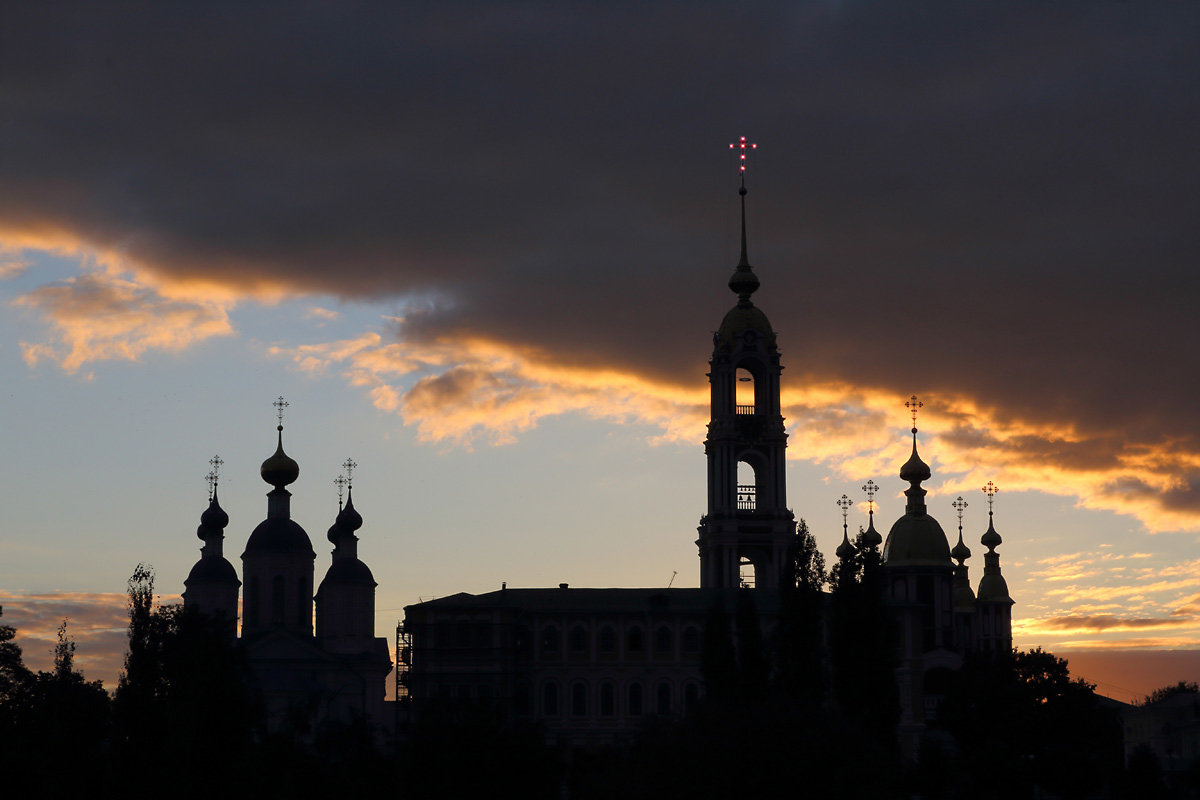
606,639
579,699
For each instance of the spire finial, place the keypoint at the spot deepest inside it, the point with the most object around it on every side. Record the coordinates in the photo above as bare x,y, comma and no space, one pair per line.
870,488
280,404
349,465
211,480
990,490
844,504
959,505
340,482
914,405
743,282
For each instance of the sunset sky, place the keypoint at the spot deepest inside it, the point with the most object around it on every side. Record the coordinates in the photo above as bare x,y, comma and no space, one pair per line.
482,249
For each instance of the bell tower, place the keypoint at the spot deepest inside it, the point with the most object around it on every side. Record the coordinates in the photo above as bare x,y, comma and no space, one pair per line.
747,533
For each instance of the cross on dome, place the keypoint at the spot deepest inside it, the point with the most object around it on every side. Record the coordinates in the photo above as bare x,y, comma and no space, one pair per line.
844,504
959,505
743,148
990,490
340,482
280,404
349,465
914,405
870,488
211,479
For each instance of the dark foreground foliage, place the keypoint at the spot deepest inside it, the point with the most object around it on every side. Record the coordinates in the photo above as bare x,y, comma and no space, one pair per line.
776,721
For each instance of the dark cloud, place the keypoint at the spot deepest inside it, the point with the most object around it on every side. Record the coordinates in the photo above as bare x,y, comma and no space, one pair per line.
1103,622
995,200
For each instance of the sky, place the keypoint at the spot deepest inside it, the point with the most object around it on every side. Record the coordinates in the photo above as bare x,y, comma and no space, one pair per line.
481,249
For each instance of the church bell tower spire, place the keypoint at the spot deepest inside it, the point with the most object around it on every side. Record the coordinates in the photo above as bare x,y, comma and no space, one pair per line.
747,532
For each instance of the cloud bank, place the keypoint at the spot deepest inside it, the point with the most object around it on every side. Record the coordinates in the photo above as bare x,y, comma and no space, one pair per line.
993,205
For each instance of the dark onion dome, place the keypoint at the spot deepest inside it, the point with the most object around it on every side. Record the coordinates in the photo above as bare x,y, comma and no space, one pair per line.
348,571
334,533
214,517
279,535
914,470
871,537
960,552
845,549
212,571
348,519
916,540
991,540
279,470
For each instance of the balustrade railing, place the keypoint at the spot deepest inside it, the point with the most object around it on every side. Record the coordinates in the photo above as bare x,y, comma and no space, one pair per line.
745,408
745,497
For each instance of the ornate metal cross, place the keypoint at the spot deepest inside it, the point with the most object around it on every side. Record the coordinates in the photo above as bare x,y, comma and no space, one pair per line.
280,404
844,504
211,478
870,488
990,490
349,465
743,147
914,405
340,482
959,505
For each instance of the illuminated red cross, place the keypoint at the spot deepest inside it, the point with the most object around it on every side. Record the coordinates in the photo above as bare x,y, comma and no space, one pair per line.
742,146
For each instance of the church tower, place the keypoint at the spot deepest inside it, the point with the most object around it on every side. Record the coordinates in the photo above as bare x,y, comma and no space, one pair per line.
346,599
278,561
212,585
747,534
994,602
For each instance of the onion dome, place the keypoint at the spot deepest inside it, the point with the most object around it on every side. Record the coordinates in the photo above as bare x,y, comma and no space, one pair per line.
279,470
915,470
845,550
991,540
871,537
213,520
992,586
961,552
348,519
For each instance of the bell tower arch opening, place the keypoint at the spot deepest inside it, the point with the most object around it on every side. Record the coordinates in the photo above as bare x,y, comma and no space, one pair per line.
745,399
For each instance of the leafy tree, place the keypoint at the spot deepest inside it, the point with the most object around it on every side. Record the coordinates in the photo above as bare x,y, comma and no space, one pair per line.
801,646
1020,720
1162,693
14,675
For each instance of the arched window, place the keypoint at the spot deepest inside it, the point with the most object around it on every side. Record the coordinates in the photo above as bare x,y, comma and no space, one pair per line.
608,699
550,639
608,639
635,699
664,642
746,573
577,641
662,699
747,487
578,699
634,641
550,699
691,639
744,393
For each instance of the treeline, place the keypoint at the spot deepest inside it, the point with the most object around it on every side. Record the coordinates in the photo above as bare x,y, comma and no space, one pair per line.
812,712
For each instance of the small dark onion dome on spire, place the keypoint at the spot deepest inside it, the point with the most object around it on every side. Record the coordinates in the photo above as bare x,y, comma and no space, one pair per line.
346,567
745,318
845,549
871,537
992,586
214,519
279,470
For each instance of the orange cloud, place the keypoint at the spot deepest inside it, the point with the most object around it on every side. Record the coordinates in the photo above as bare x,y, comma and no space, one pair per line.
100,316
